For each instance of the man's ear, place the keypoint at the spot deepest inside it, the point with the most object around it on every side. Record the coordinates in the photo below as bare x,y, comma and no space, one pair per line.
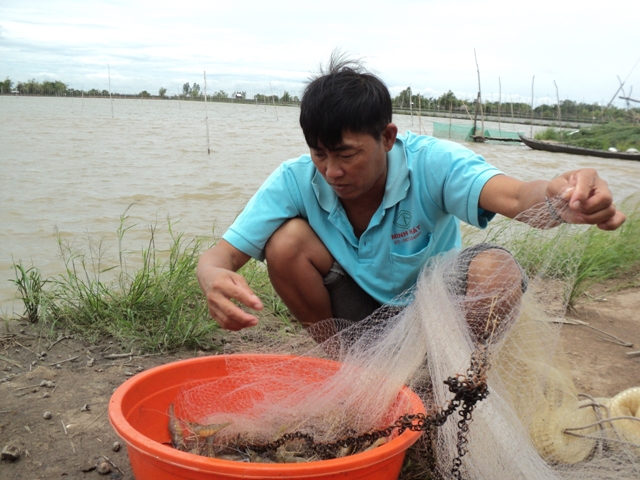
389,135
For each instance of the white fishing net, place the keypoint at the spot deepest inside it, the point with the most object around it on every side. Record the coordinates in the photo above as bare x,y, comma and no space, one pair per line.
480,331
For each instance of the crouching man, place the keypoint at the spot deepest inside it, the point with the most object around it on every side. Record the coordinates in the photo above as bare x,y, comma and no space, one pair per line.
349,226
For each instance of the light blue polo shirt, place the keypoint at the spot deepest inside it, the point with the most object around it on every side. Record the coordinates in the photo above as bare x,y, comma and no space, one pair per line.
431,185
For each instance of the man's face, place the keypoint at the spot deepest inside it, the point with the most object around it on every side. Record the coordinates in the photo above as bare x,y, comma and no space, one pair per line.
357,166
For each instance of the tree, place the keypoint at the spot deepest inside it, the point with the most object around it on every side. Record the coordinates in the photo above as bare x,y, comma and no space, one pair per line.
162,92
29,88
186,89
403,98
145,94
220,94
449,100
195,90
285,97
53,88
6,86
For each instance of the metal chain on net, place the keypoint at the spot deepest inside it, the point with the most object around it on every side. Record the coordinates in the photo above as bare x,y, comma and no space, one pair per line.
468,390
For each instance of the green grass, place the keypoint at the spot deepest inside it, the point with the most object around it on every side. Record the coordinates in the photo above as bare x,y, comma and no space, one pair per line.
158,306
155,307
600,137
31,289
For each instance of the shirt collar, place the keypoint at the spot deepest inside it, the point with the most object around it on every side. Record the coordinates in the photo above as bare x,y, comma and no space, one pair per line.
395,189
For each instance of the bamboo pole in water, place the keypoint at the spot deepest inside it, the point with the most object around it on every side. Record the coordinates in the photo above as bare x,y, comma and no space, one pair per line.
206,113
420,114
110,99
411,105
513,121
499,102
273,100
558,103
479,100
532,80
559,114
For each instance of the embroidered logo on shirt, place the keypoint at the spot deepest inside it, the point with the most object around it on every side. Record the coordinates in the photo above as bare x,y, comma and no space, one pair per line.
403,219
406,236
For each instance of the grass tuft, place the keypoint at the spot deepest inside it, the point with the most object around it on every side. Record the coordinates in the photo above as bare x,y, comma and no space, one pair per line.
155,307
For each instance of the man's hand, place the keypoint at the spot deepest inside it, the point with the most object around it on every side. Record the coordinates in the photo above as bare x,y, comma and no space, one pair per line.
221,285
588,197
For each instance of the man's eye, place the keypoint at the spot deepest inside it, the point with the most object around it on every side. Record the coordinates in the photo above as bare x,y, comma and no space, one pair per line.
346,156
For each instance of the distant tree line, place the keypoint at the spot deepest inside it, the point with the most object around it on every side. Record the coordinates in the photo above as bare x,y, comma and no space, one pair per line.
405,101
448,103
189,92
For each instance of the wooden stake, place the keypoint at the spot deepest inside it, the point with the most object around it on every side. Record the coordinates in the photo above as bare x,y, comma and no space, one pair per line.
206,114
273,100
110,99
559,115
479,97
532,80
499,102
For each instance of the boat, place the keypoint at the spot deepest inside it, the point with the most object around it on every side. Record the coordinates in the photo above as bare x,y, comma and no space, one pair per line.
563,148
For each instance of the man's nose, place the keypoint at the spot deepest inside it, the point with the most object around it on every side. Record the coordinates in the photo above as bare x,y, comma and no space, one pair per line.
334,168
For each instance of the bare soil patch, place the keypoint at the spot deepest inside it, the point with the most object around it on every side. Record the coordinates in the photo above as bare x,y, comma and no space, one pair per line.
74,380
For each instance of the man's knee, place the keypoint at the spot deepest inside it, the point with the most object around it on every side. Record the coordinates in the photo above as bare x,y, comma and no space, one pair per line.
295,241
494,267
495,284
287,241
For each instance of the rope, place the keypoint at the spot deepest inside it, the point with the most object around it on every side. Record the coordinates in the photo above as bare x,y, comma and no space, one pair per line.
596,409
623,442
600,422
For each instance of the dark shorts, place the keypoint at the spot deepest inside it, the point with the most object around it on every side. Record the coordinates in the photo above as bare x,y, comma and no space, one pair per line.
349,301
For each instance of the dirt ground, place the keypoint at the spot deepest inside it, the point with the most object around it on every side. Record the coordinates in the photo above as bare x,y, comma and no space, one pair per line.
73,381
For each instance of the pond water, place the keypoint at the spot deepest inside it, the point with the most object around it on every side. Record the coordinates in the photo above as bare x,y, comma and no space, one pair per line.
71,166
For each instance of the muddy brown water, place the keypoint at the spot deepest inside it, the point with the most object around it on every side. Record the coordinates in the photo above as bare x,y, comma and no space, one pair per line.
69,166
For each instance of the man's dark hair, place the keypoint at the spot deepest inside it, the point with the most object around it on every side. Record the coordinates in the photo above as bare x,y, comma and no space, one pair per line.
345,97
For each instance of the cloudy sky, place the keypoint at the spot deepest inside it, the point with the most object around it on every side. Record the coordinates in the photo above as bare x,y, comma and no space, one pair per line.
264,46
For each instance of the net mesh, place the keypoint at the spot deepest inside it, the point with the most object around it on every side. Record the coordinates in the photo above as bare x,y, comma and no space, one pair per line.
533,424
453,131
494,132
464,133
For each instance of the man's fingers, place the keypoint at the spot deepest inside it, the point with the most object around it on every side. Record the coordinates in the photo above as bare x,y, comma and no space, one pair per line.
230,316
614,222
585,183
243,293
228,287
589,199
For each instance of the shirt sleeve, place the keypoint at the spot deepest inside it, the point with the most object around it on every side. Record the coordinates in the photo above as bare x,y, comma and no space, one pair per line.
458,175
277,200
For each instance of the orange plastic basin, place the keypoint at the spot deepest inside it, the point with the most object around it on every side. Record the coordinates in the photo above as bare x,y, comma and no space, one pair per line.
138,413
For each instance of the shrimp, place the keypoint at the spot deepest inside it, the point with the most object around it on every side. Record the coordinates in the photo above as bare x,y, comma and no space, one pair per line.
206,431
176,431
